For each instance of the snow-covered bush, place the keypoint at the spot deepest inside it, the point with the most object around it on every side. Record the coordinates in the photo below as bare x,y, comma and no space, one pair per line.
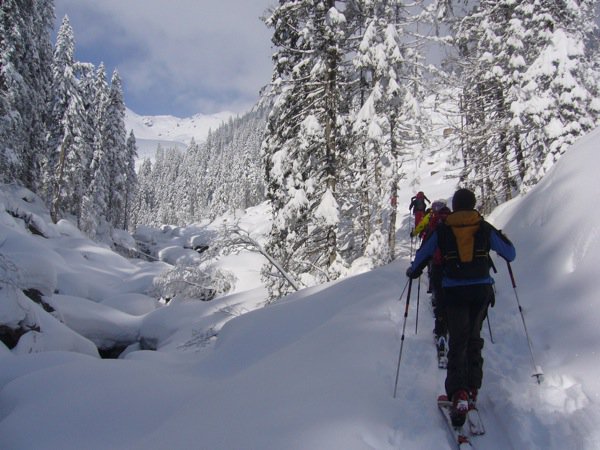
19,269
193,283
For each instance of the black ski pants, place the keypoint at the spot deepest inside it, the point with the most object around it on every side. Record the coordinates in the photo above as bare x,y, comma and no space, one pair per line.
439,307
466,309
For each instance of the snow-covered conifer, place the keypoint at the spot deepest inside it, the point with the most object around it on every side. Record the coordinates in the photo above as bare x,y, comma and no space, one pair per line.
25,61
528,90
113,141
65,137
302,147
390,123
130,179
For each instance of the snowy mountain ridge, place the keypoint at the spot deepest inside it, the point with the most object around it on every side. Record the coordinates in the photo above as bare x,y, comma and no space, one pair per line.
171,128
171,131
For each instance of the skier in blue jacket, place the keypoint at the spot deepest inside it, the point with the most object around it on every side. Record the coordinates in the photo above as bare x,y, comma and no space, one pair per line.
464,240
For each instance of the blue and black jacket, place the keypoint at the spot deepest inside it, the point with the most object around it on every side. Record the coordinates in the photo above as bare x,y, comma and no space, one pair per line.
464,240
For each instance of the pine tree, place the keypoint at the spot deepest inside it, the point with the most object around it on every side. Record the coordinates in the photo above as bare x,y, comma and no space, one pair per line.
529,89
389,125
94,204
65,139
25,60
559,99
144,201
86,75
11,86
167,170
39,59
130,179
74,151
113,139
302,148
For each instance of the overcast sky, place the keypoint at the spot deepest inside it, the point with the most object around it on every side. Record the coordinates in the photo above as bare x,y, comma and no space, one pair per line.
177,57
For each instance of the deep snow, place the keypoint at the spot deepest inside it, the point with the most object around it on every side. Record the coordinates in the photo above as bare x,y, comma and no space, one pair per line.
314,370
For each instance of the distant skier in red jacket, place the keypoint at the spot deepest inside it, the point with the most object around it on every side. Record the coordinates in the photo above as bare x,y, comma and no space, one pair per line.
418,206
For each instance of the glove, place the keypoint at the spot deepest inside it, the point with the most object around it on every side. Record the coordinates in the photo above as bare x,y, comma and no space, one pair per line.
413,274
504,238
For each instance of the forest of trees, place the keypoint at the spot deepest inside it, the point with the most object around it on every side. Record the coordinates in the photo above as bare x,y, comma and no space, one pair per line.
62,125
357,90
352,84
207,179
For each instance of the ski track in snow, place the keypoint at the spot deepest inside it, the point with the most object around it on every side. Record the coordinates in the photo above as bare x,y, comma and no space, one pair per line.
426,380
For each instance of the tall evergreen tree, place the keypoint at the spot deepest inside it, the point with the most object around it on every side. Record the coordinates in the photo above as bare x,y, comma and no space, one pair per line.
529,89
349,92
302,145
130,179
559,97
39,59
64,137
72,164
25,61
113,141
390,124
144,201
94,205
11,88
86,74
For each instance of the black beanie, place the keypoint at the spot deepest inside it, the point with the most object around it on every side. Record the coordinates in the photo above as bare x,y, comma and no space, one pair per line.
462,200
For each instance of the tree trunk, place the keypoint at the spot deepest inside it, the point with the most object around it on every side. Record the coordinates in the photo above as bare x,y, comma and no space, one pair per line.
55,206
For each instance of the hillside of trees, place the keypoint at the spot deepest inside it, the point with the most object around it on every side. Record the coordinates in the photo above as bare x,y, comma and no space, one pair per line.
62,124
353,103
353,97
207,179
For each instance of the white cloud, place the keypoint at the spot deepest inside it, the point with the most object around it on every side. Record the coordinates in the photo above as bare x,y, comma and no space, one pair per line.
190,55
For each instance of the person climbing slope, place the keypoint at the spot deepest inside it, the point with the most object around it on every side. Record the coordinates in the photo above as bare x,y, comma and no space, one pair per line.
421,229
417,206
464,242
440,212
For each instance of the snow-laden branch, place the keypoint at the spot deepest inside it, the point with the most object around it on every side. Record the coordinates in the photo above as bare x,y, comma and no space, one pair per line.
192,282
236,237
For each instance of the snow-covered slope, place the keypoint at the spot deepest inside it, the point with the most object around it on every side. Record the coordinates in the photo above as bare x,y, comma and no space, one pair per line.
316,370
557,227
170,131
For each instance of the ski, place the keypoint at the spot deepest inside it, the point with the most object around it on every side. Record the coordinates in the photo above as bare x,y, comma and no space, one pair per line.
476,427
459,436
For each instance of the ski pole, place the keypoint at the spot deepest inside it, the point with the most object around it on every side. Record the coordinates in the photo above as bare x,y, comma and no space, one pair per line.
418,301
402,294
402,338
487,316
538,373
490,329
